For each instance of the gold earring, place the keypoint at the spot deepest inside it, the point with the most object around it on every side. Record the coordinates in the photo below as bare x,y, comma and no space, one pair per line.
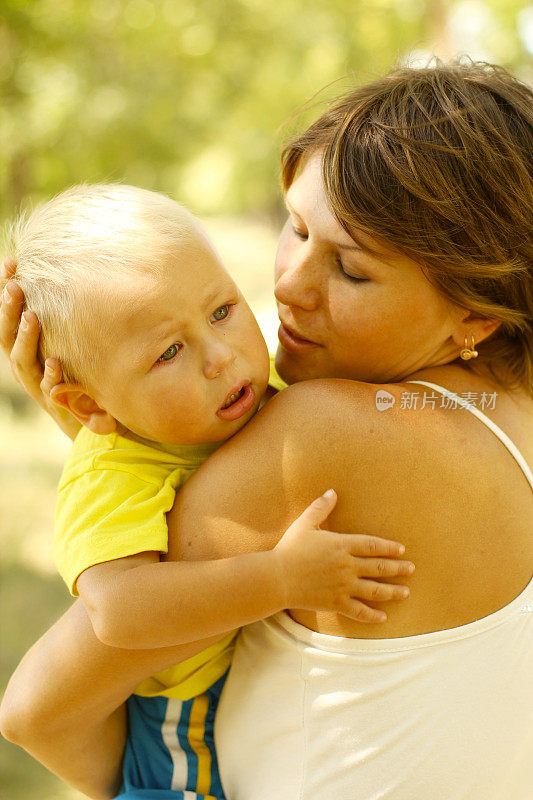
468,352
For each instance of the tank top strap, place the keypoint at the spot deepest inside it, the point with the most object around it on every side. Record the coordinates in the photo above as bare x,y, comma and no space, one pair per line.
504,439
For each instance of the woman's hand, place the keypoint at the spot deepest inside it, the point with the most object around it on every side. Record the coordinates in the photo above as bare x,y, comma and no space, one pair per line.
327,571
19,338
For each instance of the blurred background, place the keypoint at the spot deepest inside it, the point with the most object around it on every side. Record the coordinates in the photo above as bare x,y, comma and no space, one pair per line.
193,98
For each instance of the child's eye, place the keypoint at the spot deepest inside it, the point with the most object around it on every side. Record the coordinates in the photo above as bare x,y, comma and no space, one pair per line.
170,353
221,313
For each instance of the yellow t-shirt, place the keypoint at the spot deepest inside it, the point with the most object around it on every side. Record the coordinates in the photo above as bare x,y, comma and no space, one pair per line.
274,379
112,501
113,497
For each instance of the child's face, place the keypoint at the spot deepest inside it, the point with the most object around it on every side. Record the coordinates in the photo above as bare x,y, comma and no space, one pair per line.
185,361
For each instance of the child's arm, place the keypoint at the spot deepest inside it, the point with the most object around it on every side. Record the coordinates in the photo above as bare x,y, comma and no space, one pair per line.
140,602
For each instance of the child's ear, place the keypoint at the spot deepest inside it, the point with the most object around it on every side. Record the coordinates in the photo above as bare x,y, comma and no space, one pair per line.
82,406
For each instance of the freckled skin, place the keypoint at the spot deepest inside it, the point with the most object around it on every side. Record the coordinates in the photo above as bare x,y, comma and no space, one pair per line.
379,329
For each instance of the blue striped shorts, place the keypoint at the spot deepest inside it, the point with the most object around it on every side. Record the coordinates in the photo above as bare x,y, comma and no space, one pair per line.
170,750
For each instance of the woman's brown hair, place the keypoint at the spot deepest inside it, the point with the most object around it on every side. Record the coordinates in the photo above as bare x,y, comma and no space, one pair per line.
438,164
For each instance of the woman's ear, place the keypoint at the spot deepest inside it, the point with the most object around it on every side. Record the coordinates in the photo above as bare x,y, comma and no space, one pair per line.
83,407
472,326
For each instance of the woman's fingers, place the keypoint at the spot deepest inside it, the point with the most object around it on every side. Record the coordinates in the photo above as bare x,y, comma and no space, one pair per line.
19,340
12,303
19,332
53,374
7,269
24,361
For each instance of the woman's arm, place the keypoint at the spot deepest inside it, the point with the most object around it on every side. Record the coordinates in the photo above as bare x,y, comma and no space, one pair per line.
65,702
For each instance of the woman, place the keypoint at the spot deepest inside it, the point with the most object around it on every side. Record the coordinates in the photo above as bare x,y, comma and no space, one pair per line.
405,267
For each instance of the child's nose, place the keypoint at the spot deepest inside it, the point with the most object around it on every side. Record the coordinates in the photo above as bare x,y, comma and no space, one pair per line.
217,358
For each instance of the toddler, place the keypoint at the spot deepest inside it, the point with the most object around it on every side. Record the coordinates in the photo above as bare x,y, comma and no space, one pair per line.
162,361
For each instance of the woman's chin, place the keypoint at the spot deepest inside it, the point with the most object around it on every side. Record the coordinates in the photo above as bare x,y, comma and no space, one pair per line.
293,367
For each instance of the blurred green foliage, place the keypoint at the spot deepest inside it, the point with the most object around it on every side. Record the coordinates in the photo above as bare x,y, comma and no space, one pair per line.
186,96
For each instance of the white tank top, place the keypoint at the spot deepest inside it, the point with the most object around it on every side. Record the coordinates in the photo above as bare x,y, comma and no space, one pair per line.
440,716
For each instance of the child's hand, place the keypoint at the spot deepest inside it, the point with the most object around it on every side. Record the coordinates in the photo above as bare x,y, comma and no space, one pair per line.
19,338
327,571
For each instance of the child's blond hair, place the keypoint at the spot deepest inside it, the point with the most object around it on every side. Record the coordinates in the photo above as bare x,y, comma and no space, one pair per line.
70,250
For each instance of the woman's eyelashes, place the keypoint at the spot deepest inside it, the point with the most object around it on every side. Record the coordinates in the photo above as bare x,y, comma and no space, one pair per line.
304,237
350,277
299,234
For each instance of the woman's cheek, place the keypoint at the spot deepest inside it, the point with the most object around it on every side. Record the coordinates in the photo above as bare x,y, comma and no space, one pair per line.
351,317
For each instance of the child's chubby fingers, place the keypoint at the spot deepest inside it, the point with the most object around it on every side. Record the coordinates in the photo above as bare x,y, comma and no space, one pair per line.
366,545
361,612
383,567
379,592
318,511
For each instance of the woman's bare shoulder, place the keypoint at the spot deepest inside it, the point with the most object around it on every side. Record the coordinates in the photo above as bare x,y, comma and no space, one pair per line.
326,405
435,479
309,425
386,444
310,437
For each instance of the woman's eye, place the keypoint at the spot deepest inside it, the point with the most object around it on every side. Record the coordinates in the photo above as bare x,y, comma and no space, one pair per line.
347,274
170,353
221,313
300,234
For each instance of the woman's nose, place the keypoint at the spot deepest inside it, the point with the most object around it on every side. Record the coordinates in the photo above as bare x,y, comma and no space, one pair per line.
297,281
218,356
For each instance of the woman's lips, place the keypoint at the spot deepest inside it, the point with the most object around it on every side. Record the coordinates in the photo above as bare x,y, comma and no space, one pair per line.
295,344
244,401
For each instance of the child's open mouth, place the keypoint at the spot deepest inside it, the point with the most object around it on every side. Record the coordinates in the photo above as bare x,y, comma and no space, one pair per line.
233,397
237,403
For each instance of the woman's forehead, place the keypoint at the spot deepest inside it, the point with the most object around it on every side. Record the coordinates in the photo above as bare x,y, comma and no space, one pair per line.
306,198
